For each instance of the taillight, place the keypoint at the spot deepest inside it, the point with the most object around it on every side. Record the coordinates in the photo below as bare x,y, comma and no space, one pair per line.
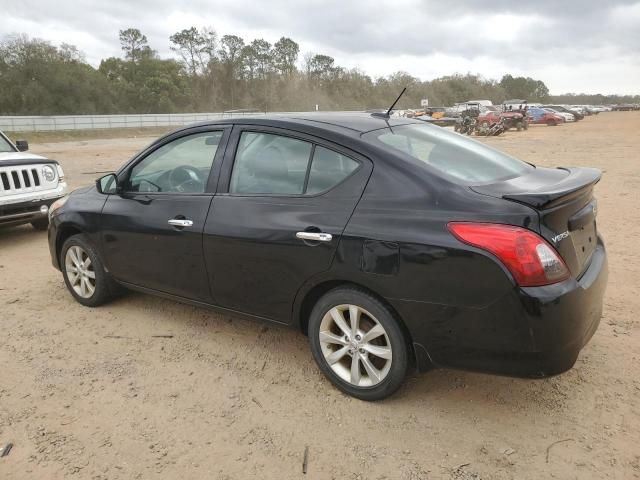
528,256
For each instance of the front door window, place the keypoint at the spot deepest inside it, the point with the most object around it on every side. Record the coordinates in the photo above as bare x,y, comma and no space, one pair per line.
180,166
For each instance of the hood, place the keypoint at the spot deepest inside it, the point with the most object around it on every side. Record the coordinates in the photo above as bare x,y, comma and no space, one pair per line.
17,158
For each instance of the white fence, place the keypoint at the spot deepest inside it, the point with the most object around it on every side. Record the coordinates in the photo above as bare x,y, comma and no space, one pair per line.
88,122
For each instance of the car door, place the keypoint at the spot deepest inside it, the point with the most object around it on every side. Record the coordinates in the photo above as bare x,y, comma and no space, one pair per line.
152,228
536,114
283,201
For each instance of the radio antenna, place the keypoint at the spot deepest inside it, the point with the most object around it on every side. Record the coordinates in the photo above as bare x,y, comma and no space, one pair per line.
397,100
388,113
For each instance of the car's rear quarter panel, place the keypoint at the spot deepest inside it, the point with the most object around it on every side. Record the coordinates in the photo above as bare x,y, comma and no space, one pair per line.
445,292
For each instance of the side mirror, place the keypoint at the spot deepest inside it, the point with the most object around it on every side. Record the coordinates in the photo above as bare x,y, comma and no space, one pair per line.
108,184
22,145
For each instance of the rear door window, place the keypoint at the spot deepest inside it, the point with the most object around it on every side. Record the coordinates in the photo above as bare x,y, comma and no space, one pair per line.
328,169
271,164
455,156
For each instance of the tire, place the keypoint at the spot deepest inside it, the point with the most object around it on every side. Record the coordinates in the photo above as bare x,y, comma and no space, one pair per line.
551,123
104,287
389,372
519,126
41,224
526,125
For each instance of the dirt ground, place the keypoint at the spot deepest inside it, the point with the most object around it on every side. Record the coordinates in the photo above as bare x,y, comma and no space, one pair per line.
92,394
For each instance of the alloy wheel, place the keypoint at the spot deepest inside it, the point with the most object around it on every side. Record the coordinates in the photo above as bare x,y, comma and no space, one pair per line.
80,272
355,345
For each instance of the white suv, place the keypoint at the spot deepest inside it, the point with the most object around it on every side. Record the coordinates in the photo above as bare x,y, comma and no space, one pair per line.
29,184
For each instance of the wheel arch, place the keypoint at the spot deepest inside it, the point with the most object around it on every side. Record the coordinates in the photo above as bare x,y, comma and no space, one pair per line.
65,231
312,295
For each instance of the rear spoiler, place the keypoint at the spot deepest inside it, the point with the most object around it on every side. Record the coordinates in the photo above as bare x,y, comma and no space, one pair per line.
544,187
571,186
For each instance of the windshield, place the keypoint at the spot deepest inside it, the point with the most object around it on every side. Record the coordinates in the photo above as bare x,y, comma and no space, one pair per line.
5,146
459,158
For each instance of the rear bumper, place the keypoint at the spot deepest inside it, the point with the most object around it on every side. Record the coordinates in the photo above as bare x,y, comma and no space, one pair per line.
531,332
25,212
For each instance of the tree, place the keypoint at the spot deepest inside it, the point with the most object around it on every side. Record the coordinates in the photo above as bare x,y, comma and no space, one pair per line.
321,66
37,78
249,62
525,88
285,56
196,48
231,57
264,61
134,44
231,48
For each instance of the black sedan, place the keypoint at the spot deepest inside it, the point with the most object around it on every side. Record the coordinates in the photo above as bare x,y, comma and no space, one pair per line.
389,242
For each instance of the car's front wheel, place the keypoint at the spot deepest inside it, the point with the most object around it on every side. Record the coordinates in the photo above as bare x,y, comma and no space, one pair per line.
358,344
84,273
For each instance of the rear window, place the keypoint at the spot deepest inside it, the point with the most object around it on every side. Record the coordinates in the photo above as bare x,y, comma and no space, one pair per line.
457,157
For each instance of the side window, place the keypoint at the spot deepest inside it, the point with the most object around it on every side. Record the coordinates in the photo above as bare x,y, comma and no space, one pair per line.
180,166
328,169
270,164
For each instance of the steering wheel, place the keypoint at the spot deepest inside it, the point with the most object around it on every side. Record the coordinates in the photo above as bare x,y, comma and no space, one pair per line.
186,178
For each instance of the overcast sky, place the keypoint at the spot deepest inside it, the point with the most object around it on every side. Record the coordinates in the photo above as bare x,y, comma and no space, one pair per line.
572,45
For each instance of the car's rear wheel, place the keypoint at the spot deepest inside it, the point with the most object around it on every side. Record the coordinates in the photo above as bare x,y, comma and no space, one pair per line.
519,126
84,273
41,224
358,344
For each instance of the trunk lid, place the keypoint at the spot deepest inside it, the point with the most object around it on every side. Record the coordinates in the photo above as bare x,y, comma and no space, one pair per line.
563,198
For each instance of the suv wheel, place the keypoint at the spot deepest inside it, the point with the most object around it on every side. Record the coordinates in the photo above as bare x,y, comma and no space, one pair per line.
84,273
358,344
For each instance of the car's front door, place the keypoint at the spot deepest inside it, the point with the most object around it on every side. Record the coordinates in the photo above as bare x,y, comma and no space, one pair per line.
152,229
283,202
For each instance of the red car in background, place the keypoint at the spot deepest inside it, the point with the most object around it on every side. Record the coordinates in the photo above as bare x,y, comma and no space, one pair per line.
511,119
540,116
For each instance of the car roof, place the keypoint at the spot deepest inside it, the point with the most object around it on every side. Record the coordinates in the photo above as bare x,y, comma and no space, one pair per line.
346,123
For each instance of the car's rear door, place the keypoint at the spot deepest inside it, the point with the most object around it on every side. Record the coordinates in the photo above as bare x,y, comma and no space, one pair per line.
152,229
283,201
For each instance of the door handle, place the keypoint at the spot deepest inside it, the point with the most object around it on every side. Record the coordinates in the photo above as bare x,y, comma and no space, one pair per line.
180,222
314,236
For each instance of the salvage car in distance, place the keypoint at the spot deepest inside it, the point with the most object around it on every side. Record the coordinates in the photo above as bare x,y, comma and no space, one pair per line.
540,116
561,108
29,183
510,119
388,241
